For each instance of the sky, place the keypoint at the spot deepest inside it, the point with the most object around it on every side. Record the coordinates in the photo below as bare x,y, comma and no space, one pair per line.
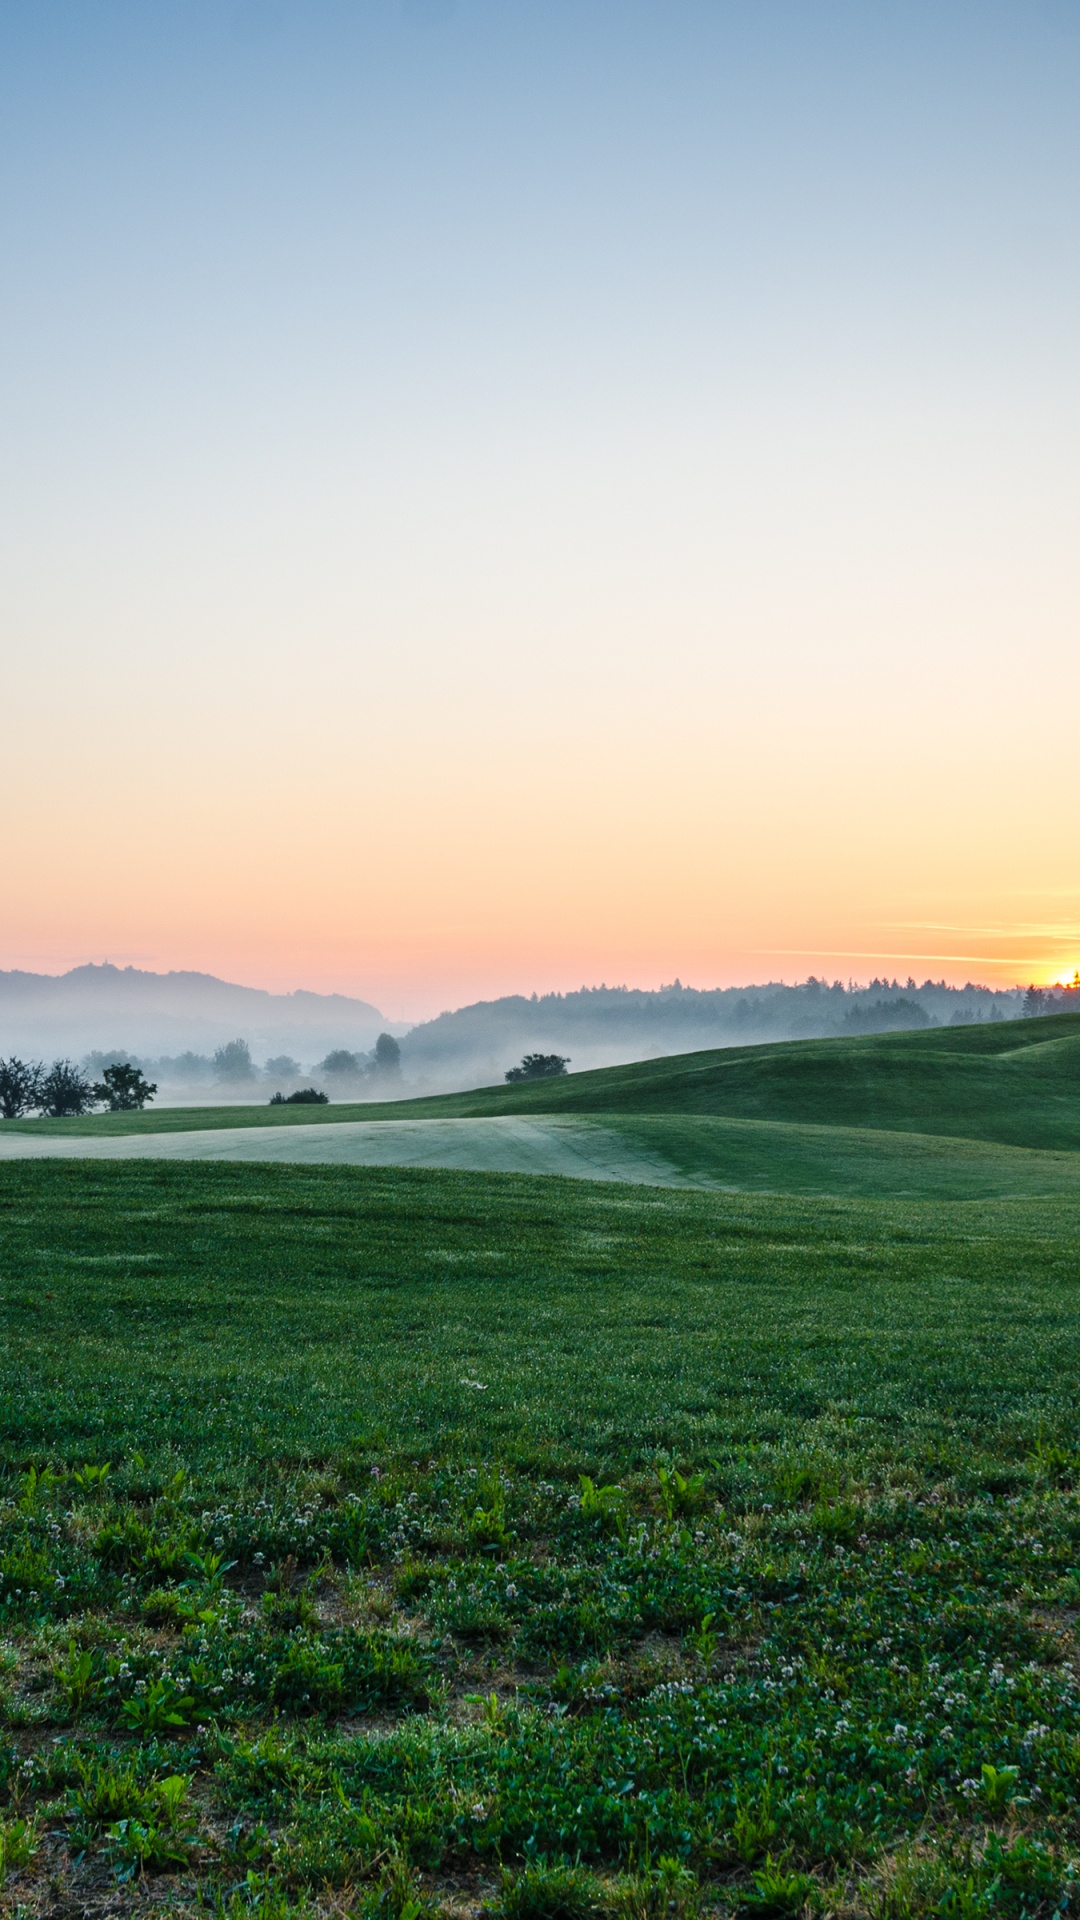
501,495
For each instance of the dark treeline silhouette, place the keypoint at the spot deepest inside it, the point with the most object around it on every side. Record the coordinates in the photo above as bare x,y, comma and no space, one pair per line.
1057,999
604,1025
56,1092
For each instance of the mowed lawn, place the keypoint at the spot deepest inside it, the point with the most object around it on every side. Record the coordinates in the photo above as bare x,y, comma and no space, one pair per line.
376,1540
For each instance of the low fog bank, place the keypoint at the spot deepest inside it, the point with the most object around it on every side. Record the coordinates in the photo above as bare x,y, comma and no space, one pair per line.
342,1050
232,1074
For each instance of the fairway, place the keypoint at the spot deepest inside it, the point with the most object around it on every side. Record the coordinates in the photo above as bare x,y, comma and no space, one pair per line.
507,1144
735,1156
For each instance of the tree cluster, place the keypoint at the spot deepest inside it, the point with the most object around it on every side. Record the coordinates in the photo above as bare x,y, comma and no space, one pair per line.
1057,999
540,1066
384,1059
28,1086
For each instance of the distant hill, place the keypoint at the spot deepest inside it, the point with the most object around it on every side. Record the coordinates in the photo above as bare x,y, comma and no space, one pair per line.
153,1014
945,1111
1017,1083
607,1026
173,1022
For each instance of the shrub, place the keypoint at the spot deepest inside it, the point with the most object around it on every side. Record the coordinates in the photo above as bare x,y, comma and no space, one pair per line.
779,1890
540,1066
544,1892
304,1097
18,1845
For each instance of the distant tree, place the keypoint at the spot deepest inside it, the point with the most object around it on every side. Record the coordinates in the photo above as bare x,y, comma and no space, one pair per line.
64,1091
887,1016
20,1087
303,1097
539,1066
341,1061
283,1067
97,1061
124,1088
387,1054
233,1062
186,1067
1034,1002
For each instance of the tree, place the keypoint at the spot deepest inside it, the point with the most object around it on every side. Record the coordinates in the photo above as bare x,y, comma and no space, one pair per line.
303,1097
341,1061
64,1091
123,1088
540,1066
283,1067
233,1061
20,1086
387,1054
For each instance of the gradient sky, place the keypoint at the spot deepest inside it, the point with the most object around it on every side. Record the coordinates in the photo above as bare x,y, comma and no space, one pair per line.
499,495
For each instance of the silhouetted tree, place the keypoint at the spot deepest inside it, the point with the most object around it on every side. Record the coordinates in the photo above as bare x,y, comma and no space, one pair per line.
20,1087
283,1067
341,1061
64,1091
123,1088
233,1061
387,1054
540,1066
303,1097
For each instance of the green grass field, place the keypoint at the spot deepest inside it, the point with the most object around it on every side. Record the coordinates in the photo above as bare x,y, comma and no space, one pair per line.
1014,1083
399,1542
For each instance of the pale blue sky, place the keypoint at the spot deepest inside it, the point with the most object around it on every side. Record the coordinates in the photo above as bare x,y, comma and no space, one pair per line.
684,394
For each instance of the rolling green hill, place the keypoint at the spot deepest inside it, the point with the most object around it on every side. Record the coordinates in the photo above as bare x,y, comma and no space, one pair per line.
1016,1083
447,1532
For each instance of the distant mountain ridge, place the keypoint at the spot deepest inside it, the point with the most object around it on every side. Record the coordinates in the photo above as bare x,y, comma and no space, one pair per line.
94,1007
162,1017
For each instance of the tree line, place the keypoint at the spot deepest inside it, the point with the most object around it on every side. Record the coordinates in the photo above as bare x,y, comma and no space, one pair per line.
56,1092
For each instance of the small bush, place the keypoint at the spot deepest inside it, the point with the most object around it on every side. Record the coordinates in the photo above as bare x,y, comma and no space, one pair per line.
539,1066
779,1890
303,1097
544,1892
667,1891
18,1845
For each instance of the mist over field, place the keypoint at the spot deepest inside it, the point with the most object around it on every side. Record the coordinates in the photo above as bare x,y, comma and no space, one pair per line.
177,1021
199,1037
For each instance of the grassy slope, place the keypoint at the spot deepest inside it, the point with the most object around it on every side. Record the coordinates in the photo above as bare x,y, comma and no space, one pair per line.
323,1301
384,1386
1017,1084
770,1156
